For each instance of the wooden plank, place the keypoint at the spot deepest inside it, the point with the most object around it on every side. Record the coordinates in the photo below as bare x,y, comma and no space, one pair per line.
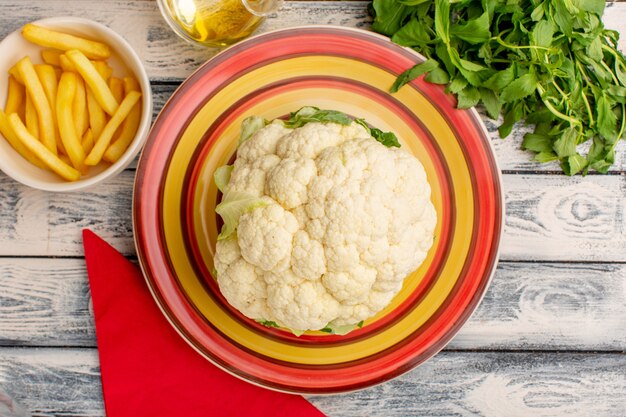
53,382
46,302
549,218
38,223
493,385
538,306
565,218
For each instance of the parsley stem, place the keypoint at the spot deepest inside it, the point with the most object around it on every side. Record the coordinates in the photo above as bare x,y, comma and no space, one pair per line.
589,112
508,45
565,96
555,111
621,130
606,67
583,72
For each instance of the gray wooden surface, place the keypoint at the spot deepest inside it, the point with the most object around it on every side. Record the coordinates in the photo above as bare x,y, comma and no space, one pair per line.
549,339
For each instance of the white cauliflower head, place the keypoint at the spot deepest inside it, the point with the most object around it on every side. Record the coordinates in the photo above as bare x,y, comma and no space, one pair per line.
329,222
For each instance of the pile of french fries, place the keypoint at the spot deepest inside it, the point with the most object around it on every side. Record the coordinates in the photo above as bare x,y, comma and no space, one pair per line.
70,112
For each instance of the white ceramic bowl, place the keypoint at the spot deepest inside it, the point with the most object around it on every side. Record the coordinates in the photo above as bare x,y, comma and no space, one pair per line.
124,61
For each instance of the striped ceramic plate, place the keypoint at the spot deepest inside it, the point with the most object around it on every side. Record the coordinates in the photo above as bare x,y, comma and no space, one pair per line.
271,75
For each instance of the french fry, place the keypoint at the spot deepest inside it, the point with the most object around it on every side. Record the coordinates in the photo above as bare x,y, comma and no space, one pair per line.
40,101
87,141
63,41
65,159
69,136
102,142
97,116
81,117
66,64
51,57
117,88
15,97
103,69
41,151
129,127
31,119
16,74
116,85
48,77
49,80
94,80
11,137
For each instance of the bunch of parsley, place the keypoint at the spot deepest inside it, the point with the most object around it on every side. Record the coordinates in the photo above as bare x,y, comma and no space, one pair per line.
549,62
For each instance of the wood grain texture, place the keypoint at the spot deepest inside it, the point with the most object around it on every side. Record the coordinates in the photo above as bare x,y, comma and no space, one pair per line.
548,218
550,306
553,217
45,302
65,382
528,306
37,223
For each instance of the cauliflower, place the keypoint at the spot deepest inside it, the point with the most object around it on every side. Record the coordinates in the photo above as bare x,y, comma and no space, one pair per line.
324,217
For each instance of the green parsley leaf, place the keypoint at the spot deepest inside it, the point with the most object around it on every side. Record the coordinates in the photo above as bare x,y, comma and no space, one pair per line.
473,31
544,157
491,102
520,88
268,323
388,139
566,145
437,76
412,73
573,164
500,79
412,34
468,97
607,121
537,142
389,16
313,114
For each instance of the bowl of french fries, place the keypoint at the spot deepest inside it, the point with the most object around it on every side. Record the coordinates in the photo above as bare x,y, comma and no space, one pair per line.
76,104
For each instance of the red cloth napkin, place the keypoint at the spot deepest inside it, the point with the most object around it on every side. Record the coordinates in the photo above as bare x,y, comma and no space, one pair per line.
147,368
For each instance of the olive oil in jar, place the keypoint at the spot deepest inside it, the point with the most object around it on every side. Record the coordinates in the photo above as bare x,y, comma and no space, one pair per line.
212,22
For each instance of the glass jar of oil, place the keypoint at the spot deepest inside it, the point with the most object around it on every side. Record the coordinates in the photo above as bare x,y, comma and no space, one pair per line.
216,22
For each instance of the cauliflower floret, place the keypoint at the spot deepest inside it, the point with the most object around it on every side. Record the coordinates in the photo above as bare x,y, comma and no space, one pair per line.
300,304
252,177
288,181
309,140
350,288
307,257
346,220
242,285
263,142
265,236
